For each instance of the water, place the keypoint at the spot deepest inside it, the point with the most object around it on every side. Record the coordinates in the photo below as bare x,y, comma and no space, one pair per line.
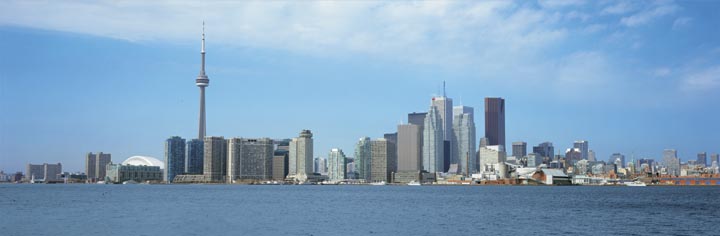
356,210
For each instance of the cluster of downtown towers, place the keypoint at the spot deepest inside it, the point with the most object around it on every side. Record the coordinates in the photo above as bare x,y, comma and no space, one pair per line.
431,142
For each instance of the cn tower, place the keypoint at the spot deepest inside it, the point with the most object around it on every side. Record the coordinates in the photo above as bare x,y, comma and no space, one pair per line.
202,81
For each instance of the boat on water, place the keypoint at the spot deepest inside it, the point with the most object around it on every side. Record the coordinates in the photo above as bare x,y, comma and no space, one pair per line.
414,183
379,183
635,184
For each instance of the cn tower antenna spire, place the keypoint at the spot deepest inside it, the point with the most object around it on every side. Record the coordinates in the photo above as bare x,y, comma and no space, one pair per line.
203,38
444,95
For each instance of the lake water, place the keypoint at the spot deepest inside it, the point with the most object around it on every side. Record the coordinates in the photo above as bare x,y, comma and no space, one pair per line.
356,210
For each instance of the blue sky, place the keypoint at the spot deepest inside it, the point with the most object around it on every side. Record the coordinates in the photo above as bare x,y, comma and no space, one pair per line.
633,77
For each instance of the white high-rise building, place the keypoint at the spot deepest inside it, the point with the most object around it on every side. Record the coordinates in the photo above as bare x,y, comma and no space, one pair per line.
463,151
300,161
433,142
337,162
672,162
445,112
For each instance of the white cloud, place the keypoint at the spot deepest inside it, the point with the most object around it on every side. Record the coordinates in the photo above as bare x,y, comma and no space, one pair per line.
560,3
705,79
594,28
645,16
619,8
583,69
576,15
421,32
681,22
661,72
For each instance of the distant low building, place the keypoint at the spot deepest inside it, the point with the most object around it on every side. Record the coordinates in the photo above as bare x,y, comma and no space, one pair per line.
44,172
552,177
118,173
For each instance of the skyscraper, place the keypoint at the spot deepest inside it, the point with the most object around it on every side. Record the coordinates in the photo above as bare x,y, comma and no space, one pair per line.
444,111
573,155
433,144
583,146
215,159
519,149
249,159
280,159
672,162
384,160
363,158
545,149
702,159
336,165
392,137
174,157
202,81
417,118
409,148
495,121
714,158
617,157
195,157
320,165
463,151
444,106
301,156
591,155
95,165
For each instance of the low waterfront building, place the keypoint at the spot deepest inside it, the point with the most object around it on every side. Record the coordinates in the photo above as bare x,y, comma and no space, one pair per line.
119,173
552,177
407,176
73,177
492,162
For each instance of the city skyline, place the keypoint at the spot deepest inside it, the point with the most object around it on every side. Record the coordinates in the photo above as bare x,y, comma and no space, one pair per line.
109,112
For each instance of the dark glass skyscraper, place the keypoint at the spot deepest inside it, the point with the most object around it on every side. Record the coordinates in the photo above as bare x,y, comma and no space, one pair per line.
174,157
545,149
702,159
495,121
195,155
417,118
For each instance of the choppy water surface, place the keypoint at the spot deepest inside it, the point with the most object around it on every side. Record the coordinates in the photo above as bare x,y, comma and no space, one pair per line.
356,210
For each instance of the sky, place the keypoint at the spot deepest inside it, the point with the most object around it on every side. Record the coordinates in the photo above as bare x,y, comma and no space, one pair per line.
632,77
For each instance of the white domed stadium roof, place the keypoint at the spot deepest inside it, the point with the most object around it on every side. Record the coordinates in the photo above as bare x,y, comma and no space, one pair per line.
144,161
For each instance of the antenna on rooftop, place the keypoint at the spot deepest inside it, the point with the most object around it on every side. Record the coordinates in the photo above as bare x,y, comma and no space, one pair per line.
444,88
